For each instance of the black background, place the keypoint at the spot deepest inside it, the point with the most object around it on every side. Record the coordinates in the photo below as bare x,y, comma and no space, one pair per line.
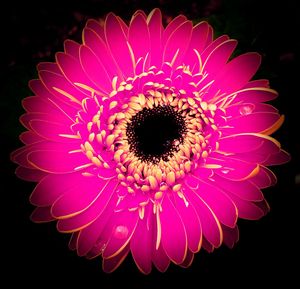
267,253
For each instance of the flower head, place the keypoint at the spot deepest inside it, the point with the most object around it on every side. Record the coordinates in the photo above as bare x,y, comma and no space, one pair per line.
149,140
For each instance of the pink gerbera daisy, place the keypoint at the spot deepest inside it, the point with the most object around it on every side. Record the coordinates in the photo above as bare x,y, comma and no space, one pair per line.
149,140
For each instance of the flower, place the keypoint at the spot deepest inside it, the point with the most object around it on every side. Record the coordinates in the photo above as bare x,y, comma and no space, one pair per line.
149,140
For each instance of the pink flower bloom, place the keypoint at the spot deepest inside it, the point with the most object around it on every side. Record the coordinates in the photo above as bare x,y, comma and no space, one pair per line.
149,140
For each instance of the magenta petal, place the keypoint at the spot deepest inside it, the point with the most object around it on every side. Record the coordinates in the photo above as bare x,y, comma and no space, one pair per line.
109,265
50,161
89,237
119,231
246,142
246,209
264,178
72,48
94,25
172,228
61,88
30,175
232,168
181,37
254,122
38,104
94,69
211,227
243,189
117,43
258,83
187,262
160,259
231,236
41,215
219,57
84,219
72,70
238,72
49,66
207,245
99,47
191,223
52,131
219,202
172,26
73,241
199,37
51,187
278,158
141,244
78,198
154,21
138,36
29,137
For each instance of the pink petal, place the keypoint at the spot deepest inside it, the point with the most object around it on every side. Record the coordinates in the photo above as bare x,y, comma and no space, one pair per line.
41,215
67,93
199,37
30,175
211,227
52,131
188,260
160,259
246,209
243,189
219,57
232,168
255,94
197,42
238,72
57,162
94,69
38,104
264,178
254,122
29,137
99,47
72,70
212,46
84,219
219,202
191,223
177,43
141,243
48,66
73,241
72,48
258,83
246,142
278,158
231,236
79,198
119,231
96,27
138,36
51,187
109,265
26,118
207,245
172,26
117,43
89,236
172,228
154,21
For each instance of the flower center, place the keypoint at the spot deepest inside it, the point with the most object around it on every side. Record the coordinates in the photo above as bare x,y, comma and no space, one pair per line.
155,134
